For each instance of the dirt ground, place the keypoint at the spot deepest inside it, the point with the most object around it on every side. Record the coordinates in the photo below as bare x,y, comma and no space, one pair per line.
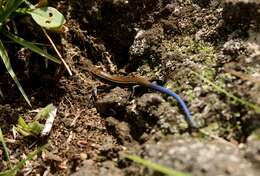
207,51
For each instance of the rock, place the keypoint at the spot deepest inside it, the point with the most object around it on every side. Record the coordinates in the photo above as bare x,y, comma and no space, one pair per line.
202,3
119,129
106,168
144,40
253,148
151,113
113,103
234,48
241,12
198,157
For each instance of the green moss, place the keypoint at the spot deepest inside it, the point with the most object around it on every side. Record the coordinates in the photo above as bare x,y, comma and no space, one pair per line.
222,79
190,94
208,73
187,45
173,85
197,51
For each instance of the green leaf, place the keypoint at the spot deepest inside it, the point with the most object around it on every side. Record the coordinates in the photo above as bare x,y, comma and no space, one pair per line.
9,8
23,10
4,146
36,128
48,17
23,128
30,46
23,132
157,167
23,124
6,60
44,112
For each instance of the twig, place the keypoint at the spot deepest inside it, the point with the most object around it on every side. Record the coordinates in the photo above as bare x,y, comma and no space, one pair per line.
56,50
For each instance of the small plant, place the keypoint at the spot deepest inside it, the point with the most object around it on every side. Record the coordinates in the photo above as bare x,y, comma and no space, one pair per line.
35,128
157,167
47,17
13,170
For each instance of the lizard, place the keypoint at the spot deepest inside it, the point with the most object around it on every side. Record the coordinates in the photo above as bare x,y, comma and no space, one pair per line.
137,80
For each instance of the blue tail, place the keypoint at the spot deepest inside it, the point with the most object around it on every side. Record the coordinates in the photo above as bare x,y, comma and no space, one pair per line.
188,116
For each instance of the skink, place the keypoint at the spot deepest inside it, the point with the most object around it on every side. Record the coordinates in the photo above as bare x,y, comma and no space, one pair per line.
134,80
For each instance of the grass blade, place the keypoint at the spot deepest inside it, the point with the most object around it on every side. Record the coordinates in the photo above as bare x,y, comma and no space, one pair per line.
13,171
1,7
30,46
9,8
4,146
157,167
1,94
30,157
228,94
6,60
